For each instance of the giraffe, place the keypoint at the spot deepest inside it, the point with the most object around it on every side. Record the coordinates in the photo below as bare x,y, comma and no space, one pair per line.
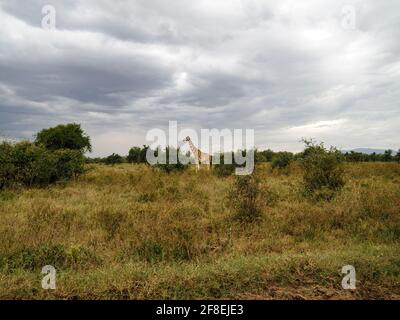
199,156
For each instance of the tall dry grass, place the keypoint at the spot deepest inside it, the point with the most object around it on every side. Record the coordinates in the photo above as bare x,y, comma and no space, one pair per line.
130,231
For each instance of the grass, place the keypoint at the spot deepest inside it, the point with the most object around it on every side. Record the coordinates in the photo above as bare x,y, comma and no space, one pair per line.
131,232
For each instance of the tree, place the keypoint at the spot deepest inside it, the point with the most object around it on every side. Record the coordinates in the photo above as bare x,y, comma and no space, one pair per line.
264,156
114,159
387,156
134,155
137,155
373,156
69,136
356,156
397,157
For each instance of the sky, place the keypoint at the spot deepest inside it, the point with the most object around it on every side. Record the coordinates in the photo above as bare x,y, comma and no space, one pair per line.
288,69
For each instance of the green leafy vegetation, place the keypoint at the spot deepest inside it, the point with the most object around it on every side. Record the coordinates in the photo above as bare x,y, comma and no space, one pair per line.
246,199
114,159
323,170
130,231
70,136
224,169
28,164
282,161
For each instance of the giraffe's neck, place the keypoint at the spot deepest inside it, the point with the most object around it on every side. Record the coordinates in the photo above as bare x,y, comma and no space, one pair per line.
194,149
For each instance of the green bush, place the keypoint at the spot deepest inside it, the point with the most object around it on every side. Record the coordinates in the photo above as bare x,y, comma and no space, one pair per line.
57,154
282,160
264,156
224,169
34,164
70,163
7,168
323,170
246,198
29,164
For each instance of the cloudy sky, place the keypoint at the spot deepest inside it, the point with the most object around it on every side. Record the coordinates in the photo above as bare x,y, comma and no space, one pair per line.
288,69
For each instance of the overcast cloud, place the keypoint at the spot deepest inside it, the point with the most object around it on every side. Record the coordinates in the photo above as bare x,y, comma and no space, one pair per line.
288,69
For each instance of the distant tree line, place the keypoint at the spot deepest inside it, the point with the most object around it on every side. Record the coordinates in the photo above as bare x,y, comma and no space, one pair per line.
350,156
387,156
135,155
280,159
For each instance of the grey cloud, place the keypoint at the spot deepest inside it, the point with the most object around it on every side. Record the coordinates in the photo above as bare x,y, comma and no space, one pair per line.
96,84
281,68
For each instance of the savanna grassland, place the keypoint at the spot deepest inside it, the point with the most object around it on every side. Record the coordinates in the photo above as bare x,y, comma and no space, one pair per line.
132,232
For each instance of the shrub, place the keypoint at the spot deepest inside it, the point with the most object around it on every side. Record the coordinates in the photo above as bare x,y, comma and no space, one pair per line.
282,160
246,198
29,164
57,154
323,170
34,164
264,156
70,163
224,169
7,168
